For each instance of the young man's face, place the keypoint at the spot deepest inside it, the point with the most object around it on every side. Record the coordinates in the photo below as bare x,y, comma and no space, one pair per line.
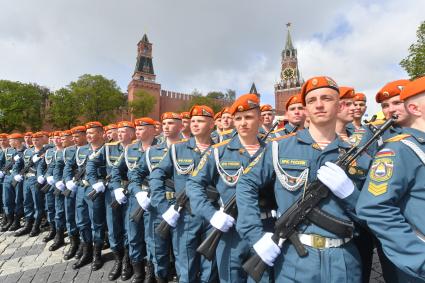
28,140
346,113
125,134
79,139
201,125
394,105
186,125
112,135
57,141
94,135
296,114
15,143
359,109
145,132
38,142
66,141
227,121
267,117
171,127
4,143
247,122
322,106
218,123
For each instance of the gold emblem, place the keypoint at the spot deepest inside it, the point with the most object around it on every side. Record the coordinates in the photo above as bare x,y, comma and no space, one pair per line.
240,108
381,169
352,170
314,82
385,94
377,189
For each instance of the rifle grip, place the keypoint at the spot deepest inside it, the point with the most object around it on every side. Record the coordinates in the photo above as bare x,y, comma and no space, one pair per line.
92,195
208,247
115,204
255,267
138,214
163,229
299,247
67,193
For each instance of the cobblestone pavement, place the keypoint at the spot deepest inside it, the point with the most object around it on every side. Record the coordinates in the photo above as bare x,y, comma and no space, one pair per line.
25,259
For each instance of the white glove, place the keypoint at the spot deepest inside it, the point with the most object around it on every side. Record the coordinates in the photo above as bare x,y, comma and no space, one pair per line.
41,180
35,158
1,174
120,196
171,216
335,179
70,185
99,187
267,249
222,221
143,200
60,185
18,178
50,180
16,157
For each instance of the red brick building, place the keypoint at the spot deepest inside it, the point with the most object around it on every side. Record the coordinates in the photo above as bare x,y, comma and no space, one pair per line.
290,80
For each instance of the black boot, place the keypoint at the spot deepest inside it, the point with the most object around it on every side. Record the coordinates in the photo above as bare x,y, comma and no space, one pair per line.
127,268
35,228
97,257
52,233
150,272
79,253
3,220
9,222
161,280
116,269
106,244
86,257
73,247
26,229
58,242
139,272
16,224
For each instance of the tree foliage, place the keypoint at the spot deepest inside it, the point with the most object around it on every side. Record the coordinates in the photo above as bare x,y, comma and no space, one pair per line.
142,104
64,109
21,106
414,63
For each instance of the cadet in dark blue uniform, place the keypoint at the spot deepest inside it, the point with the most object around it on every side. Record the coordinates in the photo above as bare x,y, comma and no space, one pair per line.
4,144
188,229
296,117
393,197
221,167
99,168
288,164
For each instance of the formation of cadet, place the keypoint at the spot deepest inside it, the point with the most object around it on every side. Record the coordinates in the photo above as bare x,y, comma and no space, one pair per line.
202,193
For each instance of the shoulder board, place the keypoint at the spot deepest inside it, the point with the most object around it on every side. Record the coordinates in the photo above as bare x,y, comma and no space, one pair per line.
377,122
180,141
134,142
278,130
226,132
221,143
113,143
283,137
398,138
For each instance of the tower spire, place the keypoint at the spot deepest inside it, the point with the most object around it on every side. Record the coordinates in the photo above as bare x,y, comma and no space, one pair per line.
289,45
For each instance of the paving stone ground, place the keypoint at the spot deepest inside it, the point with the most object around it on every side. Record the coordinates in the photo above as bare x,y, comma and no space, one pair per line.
25,259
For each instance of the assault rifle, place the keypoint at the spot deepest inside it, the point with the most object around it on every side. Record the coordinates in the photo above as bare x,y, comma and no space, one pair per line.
28,166
77,177
94,194
138,213
305,207
208,247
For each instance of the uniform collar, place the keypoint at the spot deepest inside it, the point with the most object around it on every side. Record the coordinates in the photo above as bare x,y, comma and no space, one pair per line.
416,134
235,143
304,136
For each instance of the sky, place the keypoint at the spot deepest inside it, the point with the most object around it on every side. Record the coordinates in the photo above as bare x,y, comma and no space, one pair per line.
208,45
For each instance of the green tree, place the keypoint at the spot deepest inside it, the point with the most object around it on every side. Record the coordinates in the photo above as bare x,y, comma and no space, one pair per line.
64,109
142,104
414,63
216,95
21,106
100,98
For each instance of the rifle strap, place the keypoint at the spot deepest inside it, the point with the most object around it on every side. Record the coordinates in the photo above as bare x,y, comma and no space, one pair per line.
337,226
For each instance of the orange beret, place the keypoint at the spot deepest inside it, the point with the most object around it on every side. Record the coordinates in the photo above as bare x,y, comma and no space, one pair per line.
413,88
218,115
78,129
170,115
185,115
201,110
226,110
45,133
266,107
15,136
360,97
294,99
125,124
244,103
38,135
66,133
144,121
93,124
346,92
3,136
391,89
28,134
316,83
110,127
57,133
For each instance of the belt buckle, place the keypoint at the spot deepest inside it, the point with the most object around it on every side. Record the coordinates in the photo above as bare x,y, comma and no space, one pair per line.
169,195
318,242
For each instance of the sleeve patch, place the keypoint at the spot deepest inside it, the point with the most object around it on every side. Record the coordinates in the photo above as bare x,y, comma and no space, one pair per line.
381,169
377,189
